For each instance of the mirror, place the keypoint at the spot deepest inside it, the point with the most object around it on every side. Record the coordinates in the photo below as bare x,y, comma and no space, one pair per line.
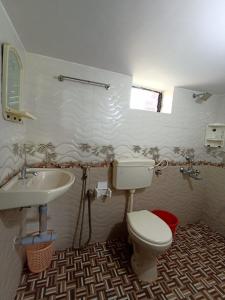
11,86
11,83
14,78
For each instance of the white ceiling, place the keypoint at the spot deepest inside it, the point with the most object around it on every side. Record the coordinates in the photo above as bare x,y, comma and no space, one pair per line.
162,43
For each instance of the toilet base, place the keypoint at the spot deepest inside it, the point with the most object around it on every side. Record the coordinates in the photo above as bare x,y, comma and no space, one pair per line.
145,267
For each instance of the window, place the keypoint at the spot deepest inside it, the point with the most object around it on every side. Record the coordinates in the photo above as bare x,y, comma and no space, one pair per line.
145,99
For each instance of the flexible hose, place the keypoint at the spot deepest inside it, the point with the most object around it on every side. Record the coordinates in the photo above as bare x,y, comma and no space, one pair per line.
85,195
89,197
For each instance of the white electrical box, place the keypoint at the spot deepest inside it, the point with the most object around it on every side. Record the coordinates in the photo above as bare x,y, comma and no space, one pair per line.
215,134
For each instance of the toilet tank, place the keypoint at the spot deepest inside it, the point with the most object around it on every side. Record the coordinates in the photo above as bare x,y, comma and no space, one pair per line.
132,173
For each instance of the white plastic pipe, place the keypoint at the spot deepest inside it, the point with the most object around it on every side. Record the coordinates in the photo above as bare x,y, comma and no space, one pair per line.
130,200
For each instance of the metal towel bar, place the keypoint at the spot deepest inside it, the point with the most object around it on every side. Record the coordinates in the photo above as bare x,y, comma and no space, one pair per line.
105,85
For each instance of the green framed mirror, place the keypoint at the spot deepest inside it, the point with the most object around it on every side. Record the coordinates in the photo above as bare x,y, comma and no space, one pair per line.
12,73
11,83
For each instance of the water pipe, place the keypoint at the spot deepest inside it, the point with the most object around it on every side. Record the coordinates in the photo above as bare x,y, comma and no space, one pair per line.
130,200
43,236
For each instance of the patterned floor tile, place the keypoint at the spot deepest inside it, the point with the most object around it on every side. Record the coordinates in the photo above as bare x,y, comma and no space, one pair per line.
193,269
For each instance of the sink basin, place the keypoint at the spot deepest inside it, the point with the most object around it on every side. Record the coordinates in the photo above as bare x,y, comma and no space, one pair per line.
47,185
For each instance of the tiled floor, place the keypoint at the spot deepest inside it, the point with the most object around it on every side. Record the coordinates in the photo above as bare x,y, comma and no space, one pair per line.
193,268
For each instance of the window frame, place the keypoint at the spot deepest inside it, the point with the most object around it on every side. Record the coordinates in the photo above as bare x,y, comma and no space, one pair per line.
160,97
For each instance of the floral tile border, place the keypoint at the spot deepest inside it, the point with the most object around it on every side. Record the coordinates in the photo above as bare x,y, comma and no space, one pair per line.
105,154
47,155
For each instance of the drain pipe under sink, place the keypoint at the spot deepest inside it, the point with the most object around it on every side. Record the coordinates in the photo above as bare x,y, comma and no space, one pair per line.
44,236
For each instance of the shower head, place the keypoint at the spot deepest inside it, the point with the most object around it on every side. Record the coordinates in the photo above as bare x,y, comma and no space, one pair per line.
202,96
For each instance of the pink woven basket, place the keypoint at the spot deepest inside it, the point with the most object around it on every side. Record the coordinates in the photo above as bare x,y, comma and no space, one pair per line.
39,256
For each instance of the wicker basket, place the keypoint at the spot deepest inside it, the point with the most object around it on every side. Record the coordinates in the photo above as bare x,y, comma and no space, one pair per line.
39,256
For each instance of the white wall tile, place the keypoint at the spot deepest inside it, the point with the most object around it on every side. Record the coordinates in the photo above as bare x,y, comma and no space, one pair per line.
11,222
73,113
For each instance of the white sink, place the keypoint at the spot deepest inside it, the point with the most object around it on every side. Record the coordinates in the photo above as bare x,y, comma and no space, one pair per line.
47,185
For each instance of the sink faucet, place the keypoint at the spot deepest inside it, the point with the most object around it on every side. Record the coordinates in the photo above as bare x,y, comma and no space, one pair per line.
24,172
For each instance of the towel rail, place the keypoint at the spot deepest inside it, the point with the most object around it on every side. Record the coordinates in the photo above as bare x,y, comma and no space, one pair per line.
63,77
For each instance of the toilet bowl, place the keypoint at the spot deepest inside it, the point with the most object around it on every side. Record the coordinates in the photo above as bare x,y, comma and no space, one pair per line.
150,237
149,234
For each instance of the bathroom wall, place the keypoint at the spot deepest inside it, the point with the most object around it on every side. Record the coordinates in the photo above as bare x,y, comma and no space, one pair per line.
10,132
80,119
168,191
11,222
86,123
213,206
221,113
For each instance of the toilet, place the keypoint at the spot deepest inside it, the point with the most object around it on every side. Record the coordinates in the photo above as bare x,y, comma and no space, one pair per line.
150,237
149,234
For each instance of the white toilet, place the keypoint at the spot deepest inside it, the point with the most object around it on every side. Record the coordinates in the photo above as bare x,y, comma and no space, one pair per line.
150,235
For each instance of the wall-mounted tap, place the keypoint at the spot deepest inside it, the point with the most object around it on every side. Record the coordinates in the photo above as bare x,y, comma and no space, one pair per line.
190,171
24,172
